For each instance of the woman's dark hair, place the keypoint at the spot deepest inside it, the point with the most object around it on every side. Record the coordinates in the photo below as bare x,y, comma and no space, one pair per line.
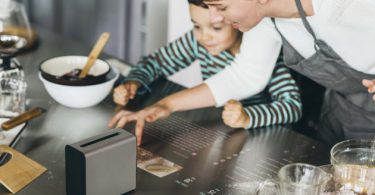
198,3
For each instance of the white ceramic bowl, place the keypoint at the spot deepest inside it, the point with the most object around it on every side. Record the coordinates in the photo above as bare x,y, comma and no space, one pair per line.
80,96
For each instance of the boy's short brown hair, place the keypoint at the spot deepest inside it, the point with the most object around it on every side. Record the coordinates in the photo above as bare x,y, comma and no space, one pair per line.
198,3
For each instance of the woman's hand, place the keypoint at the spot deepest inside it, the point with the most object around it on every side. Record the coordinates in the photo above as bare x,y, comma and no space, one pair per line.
124,92
149,114
370,84
187,99
234,115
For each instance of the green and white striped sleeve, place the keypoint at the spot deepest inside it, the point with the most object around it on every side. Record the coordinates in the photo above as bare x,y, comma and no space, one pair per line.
286,105
165,61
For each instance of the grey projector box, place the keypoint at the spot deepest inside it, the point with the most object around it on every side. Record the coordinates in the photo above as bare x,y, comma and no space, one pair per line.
103,164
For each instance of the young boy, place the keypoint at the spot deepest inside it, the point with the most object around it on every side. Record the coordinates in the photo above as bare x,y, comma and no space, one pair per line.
214,45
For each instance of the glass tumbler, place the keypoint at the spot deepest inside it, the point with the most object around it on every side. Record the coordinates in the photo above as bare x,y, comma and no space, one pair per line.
354,165
297,179
12,96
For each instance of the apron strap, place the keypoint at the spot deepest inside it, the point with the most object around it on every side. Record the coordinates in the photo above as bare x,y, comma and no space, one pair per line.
274,23
306,23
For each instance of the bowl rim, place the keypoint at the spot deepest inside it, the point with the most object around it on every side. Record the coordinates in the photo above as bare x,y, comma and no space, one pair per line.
346,144
116,72
45,75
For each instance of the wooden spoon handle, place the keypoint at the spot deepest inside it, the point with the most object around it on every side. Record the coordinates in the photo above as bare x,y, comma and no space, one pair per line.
94,54
28,115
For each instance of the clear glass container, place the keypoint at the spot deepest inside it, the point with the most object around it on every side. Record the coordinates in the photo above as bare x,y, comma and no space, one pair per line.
353,166
296,179
12,94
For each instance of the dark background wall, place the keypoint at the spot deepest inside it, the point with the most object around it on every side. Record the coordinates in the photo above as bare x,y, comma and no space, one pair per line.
126,20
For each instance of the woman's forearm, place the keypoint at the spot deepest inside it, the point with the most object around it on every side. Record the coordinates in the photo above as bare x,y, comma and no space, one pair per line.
189,99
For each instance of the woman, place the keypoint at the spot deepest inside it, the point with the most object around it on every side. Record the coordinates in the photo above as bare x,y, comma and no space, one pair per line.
329,41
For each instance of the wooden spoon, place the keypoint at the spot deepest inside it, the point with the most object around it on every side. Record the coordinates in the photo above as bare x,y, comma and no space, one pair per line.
94,54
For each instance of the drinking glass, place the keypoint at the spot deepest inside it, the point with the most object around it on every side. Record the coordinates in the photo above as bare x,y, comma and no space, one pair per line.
354,165
15,34
297,179
12,96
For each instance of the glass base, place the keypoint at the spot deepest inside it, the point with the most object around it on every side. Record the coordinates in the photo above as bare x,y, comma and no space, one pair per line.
10,67
9,62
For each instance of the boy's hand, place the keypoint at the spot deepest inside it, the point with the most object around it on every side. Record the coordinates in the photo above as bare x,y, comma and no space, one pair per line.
124,92
234,115
370,84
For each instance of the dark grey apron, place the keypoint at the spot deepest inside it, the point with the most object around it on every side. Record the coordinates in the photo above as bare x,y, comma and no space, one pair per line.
348,109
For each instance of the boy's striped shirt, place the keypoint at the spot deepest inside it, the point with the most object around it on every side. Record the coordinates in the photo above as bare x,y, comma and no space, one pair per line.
279,103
